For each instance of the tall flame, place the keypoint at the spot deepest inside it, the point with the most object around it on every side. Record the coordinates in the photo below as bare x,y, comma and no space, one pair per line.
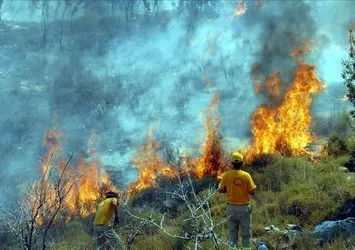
82,197
150,165
284,129
210,162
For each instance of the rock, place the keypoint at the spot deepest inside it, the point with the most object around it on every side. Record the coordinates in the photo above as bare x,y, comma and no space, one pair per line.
343,169
294,227
329,230
272,229
291,231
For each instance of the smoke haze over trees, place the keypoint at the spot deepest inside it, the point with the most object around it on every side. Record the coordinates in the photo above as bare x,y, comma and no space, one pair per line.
123,67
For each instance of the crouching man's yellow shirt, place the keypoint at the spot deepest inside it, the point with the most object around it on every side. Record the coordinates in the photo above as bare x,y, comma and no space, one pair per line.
238,184
105,211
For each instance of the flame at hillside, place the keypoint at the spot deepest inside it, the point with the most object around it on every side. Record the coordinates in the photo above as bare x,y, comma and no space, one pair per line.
210,162
284,129
87,181
150,165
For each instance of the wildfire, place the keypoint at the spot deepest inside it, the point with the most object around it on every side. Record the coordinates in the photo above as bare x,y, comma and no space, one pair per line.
241,8
283,129
301,49
210,162
88,182
273,84
150,165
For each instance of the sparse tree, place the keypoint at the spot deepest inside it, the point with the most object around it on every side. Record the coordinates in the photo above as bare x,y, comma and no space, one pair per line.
43,5
200,224
348,73
1,1
37,209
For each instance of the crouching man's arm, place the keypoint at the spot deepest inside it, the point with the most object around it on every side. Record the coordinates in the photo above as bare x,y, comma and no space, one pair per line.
115,209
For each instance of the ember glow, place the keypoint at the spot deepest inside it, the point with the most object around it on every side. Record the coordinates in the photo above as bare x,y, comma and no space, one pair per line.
284,129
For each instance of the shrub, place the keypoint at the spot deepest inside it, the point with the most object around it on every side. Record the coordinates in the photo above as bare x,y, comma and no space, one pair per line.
336,145
306,203
351,163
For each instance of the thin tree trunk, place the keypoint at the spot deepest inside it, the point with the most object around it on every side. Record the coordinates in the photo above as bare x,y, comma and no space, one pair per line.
1,1
61,27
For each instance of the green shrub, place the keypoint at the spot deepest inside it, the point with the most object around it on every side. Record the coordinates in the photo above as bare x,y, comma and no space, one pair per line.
282,171
306,202
336,145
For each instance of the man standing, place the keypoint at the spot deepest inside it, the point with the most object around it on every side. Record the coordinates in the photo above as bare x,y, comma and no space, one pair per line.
106,237
239,186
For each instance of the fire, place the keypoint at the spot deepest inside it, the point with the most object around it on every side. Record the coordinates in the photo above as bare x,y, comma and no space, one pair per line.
255,77
87,178
241,8
210,162
273,84
150,165
301,49
284,129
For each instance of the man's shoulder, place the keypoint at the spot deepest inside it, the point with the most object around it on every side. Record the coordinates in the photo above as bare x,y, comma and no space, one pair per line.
228,173
245,173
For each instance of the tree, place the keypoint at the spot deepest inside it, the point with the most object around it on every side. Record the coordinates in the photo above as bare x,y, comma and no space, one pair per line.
43,5
199,226
38,208
1,1
348,73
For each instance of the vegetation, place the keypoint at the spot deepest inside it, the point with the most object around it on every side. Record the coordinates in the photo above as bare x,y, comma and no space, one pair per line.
348,73
188,212
290,191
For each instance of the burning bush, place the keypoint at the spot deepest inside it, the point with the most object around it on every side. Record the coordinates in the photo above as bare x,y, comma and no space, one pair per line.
86,190
150,165
284,129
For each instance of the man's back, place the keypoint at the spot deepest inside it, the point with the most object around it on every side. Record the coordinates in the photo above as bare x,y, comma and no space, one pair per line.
238,184
105,211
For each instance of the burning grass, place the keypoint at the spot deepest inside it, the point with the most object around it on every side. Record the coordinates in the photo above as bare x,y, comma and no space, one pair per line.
150,165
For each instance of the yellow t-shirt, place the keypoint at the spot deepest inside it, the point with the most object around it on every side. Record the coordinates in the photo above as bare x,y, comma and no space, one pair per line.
238,184
105,211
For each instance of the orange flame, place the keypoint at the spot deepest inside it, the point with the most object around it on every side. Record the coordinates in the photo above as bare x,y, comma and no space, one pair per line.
255,77
273,84
210,162
284,129
150,165
82,197
304,47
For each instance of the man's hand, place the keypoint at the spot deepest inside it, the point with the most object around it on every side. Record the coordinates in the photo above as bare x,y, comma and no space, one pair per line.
116,221
252,194
222,189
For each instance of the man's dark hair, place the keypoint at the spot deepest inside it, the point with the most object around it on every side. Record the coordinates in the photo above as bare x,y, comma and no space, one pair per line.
111,195
237,165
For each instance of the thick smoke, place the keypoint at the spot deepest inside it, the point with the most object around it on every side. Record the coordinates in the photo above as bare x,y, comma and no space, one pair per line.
281,29
157,72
